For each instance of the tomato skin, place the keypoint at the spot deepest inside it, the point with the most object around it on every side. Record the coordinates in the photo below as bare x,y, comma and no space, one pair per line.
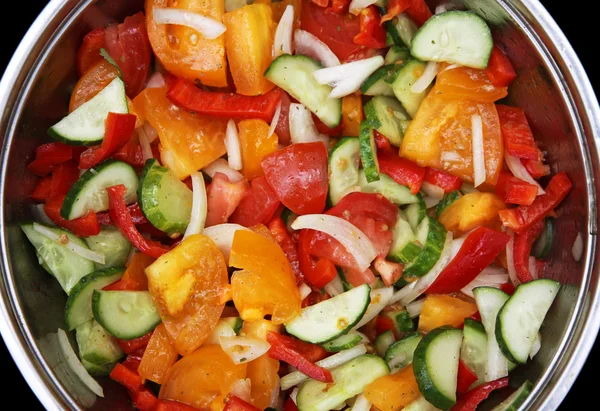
223,198
258,206
89,51
283,124
371,33
299,176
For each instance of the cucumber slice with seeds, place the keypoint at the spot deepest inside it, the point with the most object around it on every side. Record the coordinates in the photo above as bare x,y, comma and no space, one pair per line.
405,79
344,160
404,247
474,348
97,346
345,342
397,55
383,341
415,213
401,353
385,114
516,399
432,235
396,193
368,152
446,201
378,83
111,243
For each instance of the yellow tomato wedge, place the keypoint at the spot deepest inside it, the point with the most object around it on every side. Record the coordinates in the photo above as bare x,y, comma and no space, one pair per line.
394,391
441,310
471,211
352,115
159,356
255,143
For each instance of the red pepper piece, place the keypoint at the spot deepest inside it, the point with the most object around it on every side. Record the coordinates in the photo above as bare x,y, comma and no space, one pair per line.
311,352
124,285
476,316
419,12
166,405
522,250
518,137
383,324
235,403
318,273
371,34
470,400
536,168
134,210
289,404
118,131
224,105
508,288
144,400
513,190
288,245
41,192
446,181
282,350
480,248
395,7
47,156
123,221
258,206
323,129
521,218
499,70
466,378
382,142
131,153
89,52
85,226
63,177
132,362
126,377
401,170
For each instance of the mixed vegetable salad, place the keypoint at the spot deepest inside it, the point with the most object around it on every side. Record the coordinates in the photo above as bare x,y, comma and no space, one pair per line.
298,205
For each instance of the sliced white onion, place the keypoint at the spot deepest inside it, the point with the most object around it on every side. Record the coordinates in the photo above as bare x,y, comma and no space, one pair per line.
145,144
441,9
426,78
208,27
242,389
430,202
310,45
276,401
577,249
478,151
348,77
361,404
333,361
305,291
199,206
302,126
70,245
222,236
156,80
334,287
294,394
222,329
275,119
357,5
489,277
432,190
351,238
232,145
414,308
151,132
533,268
380,298
412,291
519,171
451,67
510,261
220,165
39,214
282,44
537,344
78,368
243,349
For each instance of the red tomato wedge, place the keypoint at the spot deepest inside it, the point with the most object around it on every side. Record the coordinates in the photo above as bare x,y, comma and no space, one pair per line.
258,206
223,197
89,51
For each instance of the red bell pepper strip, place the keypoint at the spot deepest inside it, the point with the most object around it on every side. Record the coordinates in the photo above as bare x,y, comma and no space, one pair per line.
419,12
131,153
521,218
446,181
383,324
123,221
479,249
499,70
235,403
371,34
518,137
118,131
318,273
508,288
395,7
381,141
134,210
290,405
513,190
282,350
124,285
126,377
89,51
536,168
41,192
132,362
311,352
466,378
166,405
145,400
224,105
258,206
47,156
85,226
470,400
401,170
522,250
63,177
288,245
338,6
476,316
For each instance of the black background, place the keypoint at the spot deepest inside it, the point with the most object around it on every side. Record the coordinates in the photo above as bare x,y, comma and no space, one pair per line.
578,20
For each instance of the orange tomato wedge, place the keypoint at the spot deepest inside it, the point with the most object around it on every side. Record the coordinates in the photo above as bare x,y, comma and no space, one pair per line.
266,284
193,141
352,115
159,356
202,377
441,310
255,143
468,84
189,286
135,270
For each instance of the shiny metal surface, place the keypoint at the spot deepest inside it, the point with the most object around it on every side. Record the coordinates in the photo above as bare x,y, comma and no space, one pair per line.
552,87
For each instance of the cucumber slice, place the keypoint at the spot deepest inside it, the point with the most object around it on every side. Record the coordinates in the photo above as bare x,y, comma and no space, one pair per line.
98,370
401,29
435,365
402,320
63,264
85,125
541,247
380,298
345,342
415,213
344,160
331,318
397,55
164,199
111,243
420,404
474,348
383,341
404,247
402,86
516,399
79,304
378,83
396,193
294,74
368,152
457,37
96,346
89,192
125,314
446,201
236,323
385,114
345,284
521,317
432,235
349,379
401,353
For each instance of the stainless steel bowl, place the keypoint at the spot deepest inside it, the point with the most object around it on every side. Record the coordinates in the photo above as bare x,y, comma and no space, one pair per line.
552,87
